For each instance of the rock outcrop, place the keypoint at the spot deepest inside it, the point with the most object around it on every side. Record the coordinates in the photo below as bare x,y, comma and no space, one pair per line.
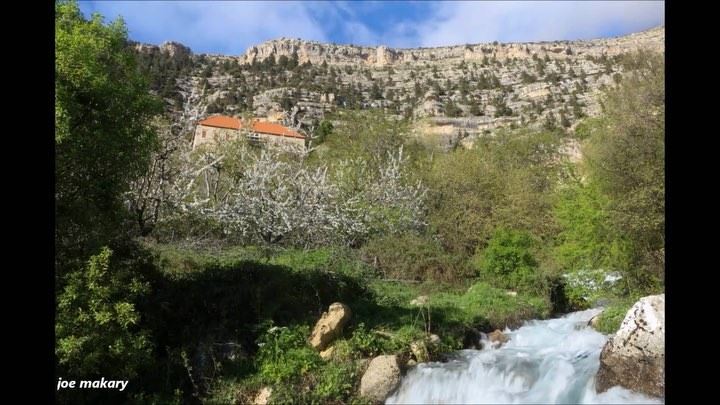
380,379
333,54
330,325
634,357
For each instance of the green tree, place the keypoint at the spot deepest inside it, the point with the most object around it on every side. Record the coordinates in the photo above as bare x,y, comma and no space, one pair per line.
323,130
102,134
505,180
586,240
626,157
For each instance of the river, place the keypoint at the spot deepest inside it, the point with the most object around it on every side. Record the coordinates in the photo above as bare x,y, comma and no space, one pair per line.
550,362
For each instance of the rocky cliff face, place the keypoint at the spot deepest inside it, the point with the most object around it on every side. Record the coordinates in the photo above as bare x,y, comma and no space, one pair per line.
454,94
381,56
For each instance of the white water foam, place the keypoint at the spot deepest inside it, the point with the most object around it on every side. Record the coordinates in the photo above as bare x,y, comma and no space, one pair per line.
549,362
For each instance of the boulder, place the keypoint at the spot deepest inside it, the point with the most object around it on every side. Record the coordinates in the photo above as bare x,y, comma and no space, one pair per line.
634,357
420,351
381,378
330,325
497,338
263,396
327,353
593,322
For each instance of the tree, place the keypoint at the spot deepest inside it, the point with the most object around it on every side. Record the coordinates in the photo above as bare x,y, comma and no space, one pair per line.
150,193
505,180
626,157
103,139
527,78
375,92
475,108
279,200
452,110
322,131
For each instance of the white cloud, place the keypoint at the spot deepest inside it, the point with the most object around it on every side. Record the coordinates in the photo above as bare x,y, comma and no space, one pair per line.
212,26
231,27
473,22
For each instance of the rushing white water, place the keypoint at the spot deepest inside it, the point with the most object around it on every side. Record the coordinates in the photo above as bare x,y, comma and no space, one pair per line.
548,362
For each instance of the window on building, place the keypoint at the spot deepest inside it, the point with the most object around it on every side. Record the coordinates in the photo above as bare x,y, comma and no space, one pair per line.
204,132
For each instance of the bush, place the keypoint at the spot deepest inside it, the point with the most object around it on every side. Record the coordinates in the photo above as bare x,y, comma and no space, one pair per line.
334,382
413,257
284,354
97,326
508,259
364,343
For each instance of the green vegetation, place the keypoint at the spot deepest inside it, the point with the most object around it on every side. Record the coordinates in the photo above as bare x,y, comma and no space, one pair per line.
508,259
612,316
102,136
202,283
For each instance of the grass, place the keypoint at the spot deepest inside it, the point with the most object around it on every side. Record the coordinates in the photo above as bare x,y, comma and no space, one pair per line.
612,316
242,291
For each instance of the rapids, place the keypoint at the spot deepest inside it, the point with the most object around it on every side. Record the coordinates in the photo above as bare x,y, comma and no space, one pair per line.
550,362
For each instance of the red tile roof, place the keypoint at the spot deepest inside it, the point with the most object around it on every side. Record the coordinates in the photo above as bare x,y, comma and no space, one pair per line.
274,129
263,127
221,121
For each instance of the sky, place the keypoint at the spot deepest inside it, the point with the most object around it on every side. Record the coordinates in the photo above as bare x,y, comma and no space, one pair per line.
229,27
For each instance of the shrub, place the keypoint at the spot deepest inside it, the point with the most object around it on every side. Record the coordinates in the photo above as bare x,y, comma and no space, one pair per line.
285,355
364,343
508,259
97,326
413,257
334,382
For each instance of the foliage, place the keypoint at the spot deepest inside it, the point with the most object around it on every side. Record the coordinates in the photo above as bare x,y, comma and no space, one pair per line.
323,130
586,240
508,259
102,136
589,126
364,343
413,257
612,316
486,307
506,180
97,326
626,157
284,354
585,288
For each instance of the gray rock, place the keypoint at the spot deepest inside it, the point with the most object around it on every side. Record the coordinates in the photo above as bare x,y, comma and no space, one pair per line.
381,378
634,357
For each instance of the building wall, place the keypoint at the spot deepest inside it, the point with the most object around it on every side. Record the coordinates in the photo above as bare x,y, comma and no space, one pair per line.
205,135
274,140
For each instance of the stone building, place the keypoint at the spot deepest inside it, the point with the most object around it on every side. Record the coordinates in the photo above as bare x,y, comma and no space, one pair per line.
220,128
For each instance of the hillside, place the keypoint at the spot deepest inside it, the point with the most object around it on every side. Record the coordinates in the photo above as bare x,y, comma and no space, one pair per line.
451,93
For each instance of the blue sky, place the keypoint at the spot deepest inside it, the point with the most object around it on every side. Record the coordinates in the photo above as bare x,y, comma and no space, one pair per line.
228,27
